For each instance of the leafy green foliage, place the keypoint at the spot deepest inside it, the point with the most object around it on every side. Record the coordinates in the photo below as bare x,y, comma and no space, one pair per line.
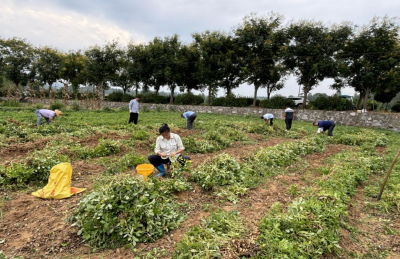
126,211
189,99
332,103
56,105
221,170
277,102
204,241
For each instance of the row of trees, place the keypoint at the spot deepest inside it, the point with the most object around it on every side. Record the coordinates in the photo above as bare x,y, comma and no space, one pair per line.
260,51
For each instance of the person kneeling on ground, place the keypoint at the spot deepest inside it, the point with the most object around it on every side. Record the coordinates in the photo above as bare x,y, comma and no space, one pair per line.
168,145
325,125
266,117
190,117
49,115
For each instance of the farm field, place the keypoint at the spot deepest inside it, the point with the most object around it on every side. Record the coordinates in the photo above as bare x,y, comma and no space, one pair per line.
250,191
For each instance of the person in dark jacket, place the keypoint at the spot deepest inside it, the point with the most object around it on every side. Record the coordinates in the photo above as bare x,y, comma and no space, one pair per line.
325,125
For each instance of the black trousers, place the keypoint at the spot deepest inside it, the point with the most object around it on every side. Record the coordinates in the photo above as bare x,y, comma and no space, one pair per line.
288,123
133,117
271,121
330,129
156,160
190,121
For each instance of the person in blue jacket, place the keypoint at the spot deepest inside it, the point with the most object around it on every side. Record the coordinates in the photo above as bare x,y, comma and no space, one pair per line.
268,117
190,117
325,125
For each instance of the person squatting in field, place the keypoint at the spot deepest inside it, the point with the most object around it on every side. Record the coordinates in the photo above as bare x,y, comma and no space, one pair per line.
288,116
190,117
268,117
325,125
168,146
134,110
49,115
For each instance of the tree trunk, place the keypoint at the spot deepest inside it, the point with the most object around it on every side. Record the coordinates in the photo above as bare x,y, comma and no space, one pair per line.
306,90
256,86
366,98
171,99
209,95
359,100
268,93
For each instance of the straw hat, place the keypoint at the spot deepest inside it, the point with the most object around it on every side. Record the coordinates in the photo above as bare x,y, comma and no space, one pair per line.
58,113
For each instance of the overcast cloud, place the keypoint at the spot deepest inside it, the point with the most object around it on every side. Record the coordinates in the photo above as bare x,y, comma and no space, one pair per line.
79,24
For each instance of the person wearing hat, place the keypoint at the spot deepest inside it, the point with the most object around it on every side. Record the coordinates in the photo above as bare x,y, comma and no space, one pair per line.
325,125
49,115
134,110
268,117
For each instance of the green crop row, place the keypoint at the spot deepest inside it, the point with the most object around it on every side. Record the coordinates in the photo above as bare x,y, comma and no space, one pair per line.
204,241
310,226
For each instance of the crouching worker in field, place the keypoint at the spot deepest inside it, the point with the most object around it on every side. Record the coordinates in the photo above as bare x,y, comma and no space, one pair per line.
268,117
190,117
325,125
47,114
168,145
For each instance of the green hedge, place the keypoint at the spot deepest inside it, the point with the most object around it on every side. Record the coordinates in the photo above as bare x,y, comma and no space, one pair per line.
332,103
277,102
232,101
189,99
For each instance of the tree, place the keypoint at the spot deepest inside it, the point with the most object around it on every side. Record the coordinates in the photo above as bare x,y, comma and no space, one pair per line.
212,60
73,69
102,64
138,67
191,77
122,78
260,41
310,52
16,57
372,59
48,65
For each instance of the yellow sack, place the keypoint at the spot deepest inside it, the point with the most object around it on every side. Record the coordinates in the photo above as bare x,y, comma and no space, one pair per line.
59,186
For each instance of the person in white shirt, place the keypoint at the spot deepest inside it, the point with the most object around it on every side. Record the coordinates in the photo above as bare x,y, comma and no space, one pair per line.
268,117
134,110
288,116
168,145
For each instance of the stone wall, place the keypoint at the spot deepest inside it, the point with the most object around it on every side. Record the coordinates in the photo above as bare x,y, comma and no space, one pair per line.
390,121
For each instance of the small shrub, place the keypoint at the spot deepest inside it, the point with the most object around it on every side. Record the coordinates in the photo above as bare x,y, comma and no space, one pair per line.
76,107
145,108
115,96
396,107
107,109
126,98
39,106
56,105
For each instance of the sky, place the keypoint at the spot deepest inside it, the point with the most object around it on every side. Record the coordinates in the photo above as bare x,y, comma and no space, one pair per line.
79,24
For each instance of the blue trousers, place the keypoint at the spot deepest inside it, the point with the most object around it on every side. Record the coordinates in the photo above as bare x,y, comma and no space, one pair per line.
39,118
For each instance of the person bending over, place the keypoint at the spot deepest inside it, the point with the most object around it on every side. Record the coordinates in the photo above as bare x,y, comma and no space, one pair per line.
268,117
49,115
325,125
168,145
190,117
